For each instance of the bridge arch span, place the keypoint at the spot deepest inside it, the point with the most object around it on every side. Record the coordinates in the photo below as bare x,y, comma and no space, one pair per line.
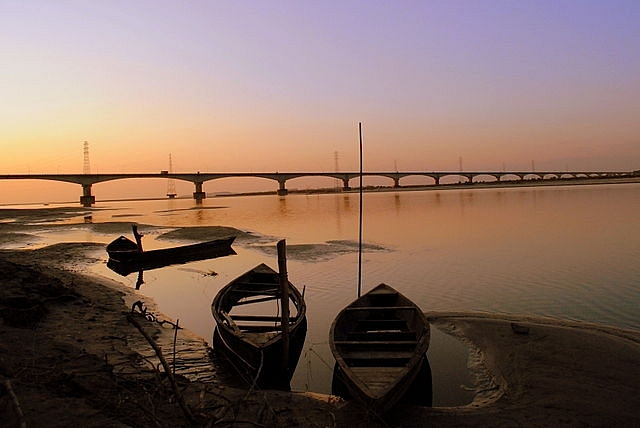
230,183
451,178
371,180
510,176
532,176
112,188
550,176
316,181
486,177
581,175
419,179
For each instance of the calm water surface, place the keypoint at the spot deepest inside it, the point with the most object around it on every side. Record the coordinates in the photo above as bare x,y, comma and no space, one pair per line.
569,252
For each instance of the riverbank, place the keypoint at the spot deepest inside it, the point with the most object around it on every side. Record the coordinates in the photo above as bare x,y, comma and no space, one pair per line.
580,181
69,355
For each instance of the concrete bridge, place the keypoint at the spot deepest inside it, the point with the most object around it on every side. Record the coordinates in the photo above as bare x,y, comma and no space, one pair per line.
198,179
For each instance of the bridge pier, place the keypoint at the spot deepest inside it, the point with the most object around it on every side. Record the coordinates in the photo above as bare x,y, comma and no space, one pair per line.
87,199
282,190
345,184
199,195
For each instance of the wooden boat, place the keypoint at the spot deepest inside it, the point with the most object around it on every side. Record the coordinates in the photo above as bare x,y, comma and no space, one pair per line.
379,342
249,330
125,256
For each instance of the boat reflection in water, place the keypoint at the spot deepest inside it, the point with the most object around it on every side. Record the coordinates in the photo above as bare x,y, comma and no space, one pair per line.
126,256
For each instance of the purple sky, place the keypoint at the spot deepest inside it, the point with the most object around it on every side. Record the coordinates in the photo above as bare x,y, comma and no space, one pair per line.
281,85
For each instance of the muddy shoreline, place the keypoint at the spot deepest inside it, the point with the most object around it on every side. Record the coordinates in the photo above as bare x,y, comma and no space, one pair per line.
68,356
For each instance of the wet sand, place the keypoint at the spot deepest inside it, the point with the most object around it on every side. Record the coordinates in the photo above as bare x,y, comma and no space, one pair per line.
544,372
68,356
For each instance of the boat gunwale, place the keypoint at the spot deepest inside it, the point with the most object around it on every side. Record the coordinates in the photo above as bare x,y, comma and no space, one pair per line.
419,351
294,296
133,255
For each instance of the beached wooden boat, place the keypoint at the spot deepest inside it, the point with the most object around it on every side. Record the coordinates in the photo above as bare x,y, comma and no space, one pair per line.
249,327
125,255
379,342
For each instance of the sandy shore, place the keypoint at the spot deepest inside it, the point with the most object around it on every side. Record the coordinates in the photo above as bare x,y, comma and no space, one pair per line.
69,356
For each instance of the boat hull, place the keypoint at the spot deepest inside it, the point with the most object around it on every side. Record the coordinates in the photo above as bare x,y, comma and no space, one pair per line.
125,259
254,344
262,365
379,343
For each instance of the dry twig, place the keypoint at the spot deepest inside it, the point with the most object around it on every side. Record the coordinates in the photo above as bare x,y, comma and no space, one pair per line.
165,365
16,403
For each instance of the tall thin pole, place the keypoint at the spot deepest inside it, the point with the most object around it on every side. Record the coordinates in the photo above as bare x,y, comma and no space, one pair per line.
360,231
86,168
171,184
284,301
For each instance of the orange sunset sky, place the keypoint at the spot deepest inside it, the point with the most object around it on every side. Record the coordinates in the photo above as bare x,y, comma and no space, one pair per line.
248,86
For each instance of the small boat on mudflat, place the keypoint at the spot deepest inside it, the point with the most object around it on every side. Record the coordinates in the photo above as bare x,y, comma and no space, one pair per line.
249,327
125,255
379,342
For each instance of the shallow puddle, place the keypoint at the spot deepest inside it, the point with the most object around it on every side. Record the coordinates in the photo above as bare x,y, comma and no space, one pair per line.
451,379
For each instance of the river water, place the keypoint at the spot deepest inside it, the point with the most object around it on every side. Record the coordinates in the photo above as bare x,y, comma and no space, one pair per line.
568,252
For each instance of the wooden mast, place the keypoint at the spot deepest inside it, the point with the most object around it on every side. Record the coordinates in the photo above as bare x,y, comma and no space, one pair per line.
284,300
360,229
137,236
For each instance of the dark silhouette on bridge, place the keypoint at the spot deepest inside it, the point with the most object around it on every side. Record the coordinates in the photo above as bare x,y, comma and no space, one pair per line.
198,179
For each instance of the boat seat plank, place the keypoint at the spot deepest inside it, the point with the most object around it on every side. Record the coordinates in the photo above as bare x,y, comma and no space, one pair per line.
382,355
382,325
273,285
257,300
390,321
380,308
365,343
372,373
259,328
257,292
267,318
381,335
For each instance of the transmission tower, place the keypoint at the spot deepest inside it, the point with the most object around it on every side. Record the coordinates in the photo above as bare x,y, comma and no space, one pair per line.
171,184
335,158
87,168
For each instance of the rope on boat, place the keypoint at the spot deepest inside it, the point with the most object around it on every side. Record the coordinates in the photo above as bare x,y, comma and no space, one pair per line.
325,362
255,379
